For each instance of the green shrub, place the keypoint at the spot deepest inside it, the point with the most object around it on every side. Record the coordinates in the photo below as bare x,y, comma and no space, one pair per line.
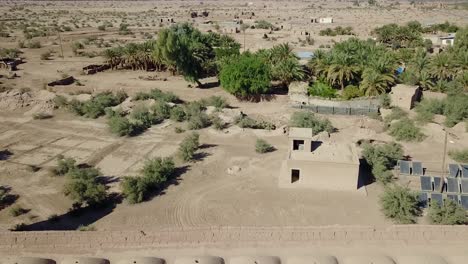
157,171
309,120
144,118
450,213
60,101
198,121
34,44
46,55
406,130
351,92
459,155
17,210
245,121
246,76
120,126
396,114
217,122
65,165
382,158
84,228
188,147
400,204
178,130
84,187
217,101
95,107
134,190
261,146
427,108
385,100
456,109
263,24
162,110
157,95
322,90
177,113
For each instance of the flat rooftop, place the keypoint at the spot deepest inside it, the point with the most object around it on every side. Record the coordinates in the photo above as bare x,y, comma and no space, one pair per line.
331,152
299,132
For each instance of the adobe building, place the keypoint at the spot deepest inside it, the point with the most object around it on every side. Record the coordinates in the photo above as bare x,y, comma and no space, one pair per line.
405,96
319,165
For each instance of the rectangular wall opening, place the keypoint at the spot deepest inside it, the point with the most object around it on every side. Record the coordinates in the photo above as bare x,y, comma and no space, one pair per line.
295,175
298,144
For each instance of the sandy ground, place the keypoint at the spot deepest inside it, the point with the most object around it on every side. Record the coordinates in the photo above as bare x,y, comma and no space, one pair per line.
206,194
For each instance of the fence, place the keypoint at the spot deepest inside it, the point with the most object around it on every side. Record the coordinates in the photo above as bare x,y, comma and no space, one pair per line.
337,110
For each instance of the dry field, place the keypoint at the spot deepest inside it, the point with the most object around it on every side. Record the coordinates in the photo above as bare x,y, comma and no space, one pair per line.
229,184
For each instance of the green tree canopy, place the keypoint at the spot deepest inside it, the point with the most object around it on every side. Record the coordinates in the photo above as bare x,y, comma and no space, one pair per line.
400,204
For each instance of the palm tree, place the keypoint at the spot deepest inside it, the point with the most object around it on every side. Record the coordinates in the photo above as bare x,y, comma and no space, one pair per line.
425,81
113,56
130,56
442,67
420,62
319,63
342,70
375,83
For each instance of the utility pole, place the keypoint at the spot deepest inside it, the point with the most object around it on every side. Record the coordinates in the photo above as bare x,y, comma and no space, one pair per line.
61,47
442,184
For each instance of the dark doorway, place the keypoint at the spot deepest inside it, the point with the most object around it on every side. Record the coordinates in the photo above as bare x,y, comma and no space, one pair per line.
298,144
295,175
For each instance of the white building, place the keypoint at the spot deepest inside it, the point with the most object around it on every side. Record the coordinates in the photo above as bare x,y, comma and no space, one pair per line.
325,20
447,40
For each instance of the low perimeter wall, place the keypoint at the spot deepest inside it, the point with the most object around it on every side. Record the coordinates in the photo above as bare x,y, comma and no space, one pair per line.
47,241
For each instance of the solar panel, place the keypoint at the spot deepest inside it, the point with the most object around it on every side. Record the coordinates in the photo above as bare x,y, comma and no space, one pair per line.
417,168
422,199
437,181
426,184
464,170
453,197
453,170
452,185
404,167
437,197
464,185
464,201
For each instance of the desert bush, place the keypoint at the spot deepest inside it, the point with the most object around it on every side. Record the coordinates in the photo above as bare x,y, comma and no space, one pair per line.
157,95
396,114
245,121
34,44
155,173
427,108
120,126
459,155
158,171
385,100
17,210
450,213
162,109
85,228
263,24
217,122
406,130
309,120
382,158
178,130
261,146
95,107
456,109
60,101
64,165
400,204
351,91
177,113
197,118
134,190
143,116
42,115
217,101
188,147
84,187
46,55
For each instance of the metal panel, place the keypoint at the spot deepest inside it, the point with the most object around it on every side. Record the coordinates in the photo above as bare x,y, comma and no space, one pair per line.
417,168
437,182
464,185
453,197
404,167
426,184
453,170
464,201
452,185
464,170
437,197
423,199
